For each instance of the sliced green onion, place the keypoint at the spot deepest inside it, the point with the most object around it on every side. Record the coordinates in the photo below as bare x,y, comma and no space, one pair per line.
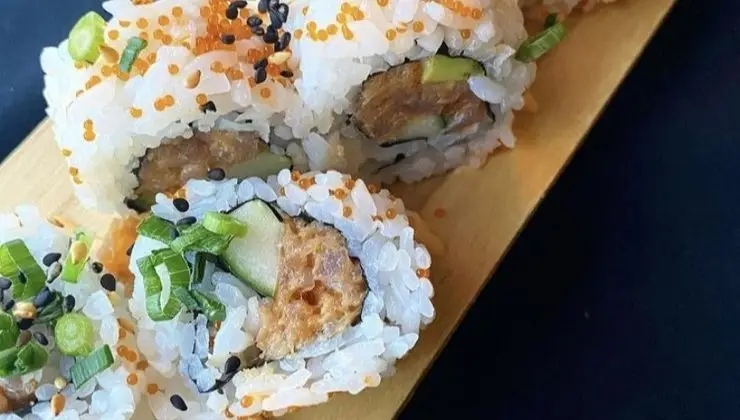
74,334
536,46
85,369
17,361
86,37
72,269
200,264
9,331
134,46
153,291
551,19
223,224
186,298
52,311
212,308
198,238
16,259
157,228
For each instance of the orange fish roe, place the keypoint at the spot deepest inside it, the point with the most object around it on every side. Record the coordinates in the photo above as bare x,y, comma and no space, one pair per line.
142,365
124,23
440,213
143,35
142,23
92,81
167,39
135,112
465,33
121,235
123,76
177,11
298,34
122,351
347,211
169,100
390,214
89,135
163,20
304,183
340,194
201,99
418,26
322,35
121,334
158,33
107,71
152,389
332,29
350,183
246,401
348,35
131,356
476,13
73,171
217,67
66,152
295,175
265,92
88,124
132,379
383,3
421,272
390,34
76,180
79,65
374,189
173,69
113,34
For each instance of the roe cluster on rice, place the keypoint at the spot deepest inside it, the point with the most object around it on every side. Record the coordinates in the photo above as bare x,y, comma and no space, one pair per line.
283,84
67,346
258,297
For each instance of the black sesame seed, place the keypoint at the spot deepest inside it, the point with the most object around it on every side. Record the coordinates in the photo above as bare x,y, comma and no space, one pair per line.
273,4
257,30
181,204
232,13
41,338
283,9
228,39
186,221
260,64
254,21
286,73
271,35
275,19
51,258
261,75
130,250
69,303
108,282
42,298
25,323
174,234
217,174
285,39
208,106
178,402
5,283
97,267
262,6
22,277
239,4
9,305
53,272
232,365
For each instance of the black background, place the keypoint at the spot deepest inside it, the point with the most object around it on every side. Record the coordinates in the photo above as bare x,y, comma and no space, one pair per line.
621,297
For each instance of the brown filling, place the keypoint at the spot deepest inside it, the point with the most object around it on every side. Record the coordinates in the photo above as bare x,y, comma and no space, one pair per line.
389,100
319,293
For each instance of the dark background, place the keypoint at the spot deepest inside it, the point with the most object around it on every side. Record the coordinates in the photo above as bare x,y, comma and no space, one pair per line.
621,297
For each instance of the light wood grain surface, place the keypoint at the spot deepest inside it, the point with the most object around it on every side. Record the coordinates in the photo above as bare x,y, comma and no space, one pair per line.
485,209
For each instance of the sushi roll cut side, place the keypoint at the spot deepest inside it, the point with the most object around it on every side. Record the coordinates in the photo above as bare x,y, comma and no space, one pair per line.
67,341
262,297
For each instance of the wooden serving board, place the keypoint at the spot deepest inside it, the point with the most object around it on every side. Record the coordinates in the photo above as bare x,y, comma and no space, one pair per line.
485,209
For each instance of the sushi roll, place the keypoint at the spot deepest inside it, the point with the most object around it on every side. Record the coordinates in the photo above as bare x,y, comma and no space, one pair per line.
257,298
168,91
67,343
538,10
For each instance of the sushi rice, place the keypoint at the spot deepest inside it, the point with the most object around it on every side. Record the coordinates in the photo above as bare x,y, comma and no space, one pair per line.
112,393
105,119
396,307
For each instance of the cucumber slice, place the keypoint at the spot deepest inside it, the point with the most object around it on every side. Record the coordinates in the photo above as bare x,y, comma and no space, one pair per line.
440,68
263,165
74,334
420,127
85,38
253,257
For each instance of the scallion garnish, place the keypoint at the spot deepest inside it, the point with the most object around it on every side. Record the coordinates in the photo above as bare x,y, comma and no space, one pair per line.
198,238
212,308
17,361
134,46
223,224
177,270
534,47
16,261
77,257
201,266
9,331
86,37
186,298
157,228
550,20
52,311
74,334
85,369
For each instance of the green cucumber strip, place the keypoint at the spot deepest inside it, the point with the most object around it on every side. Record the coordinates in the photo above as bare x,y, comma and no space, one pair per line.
85,369
153,291
71,271
9,331
86,37
198,238
134,46
15,258
536,46
210,306
223,224
157,228
74,334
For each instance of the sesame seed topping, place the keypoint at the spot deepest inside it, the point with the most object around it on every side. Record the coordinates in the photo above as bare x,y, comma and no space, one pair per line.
178,402
239,4
209,106
261,75
257,30
51,258
286,73
108,282
181,204
41,338
69,303
228,39
254,21
97,267
217,174
260,64
232,13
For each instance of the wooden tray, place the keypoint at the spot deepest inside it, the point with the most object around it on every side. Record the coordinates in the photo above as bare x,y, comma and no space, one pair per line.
485,209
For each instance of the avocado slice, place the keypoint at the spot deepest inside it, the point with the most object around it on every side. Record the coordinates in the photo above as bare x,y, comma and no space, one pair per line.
441,68
420,127
263,165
